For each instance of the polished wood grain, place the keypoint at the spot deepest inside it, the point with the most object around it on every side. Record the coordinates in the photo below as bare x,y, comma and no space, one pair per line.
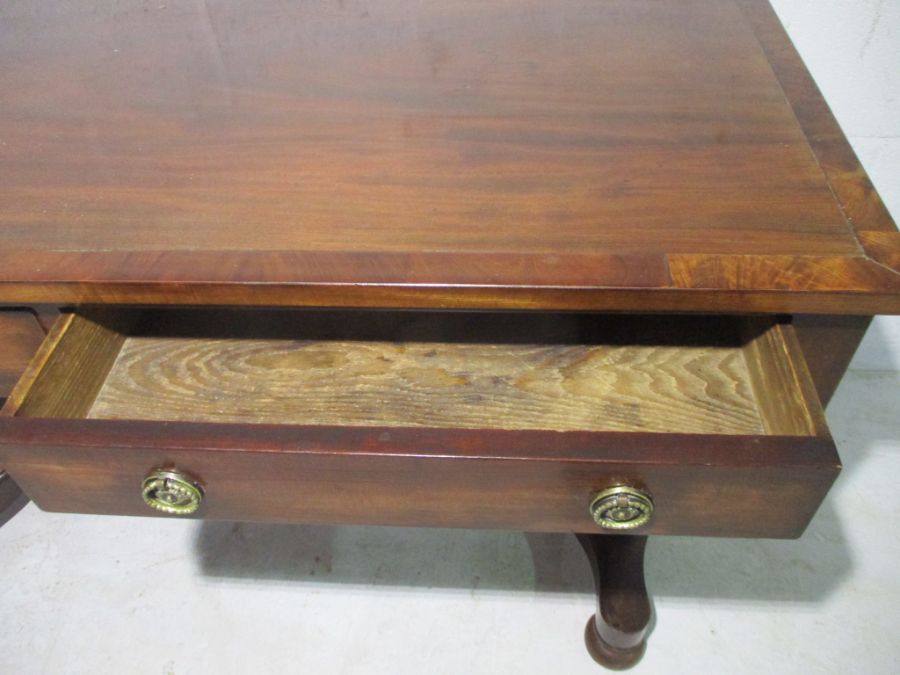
421,281
629,154
883,247
703,389
846,177
816,274
702,485
437,474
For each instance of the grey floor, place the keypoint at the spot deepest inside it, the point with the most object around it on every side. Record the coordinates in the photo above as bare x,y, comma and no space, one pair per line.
126,595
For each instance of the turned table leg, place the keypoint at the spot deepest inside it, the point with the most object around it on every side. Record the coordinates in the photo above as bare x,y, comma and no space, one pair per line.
615,635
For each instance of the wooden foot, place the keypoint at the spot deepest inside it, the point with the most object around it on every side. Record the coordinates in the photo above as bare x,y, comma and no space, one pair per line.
616,635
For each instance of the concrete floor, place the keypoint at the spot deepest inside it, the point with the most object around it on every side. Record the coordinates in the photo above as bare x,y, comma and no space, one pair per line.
85,594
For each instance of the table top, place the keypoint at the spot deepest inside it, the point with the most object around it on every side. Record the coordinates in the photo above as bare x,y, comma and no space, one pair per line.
619,155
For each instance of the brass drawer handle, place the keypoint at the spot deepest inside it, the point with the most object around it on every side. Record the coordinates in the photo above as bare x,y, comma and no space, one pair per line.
621,508
172,492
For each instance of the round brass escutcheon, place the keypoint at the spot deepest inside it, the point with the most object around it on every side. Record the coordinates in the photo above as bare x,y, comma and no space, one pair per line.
621,508
172,492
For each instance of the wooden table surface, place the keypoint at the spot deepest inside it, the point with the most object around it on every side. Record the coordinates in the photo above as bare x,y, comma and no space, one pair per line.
626,154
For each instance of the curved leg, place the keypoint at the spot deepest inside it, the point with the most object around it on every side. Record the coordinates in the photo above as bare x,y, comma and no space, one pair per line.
616,635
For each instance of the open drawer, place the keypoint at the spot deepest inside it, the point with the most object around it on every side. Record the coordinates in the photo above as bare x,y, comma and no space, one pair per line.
706,425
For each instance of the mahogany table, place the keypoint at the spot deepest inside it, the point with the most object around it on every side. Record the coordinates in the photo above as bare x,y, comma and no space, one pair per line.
579,266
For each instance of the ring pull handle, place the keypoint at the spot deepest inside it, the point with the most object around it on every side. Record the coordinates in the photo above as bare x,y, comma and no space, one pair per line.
621,508
172,492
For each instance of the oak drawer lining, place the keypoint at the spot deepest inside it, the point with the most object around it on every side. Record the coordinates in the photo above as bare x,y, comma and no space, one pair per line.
704,375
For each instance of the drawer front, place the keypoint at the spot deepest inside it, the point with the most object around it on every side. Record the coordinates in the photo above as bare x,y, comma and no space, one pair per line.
86,438
727,486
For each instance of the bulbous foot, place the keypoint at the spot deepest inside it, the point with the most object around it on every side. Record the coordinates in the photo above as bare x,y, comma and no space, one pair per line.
607,655
616,635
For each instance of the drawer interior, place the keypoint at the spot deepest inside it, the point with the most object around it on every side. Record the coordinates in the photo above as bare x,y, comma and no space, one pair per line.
558,372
